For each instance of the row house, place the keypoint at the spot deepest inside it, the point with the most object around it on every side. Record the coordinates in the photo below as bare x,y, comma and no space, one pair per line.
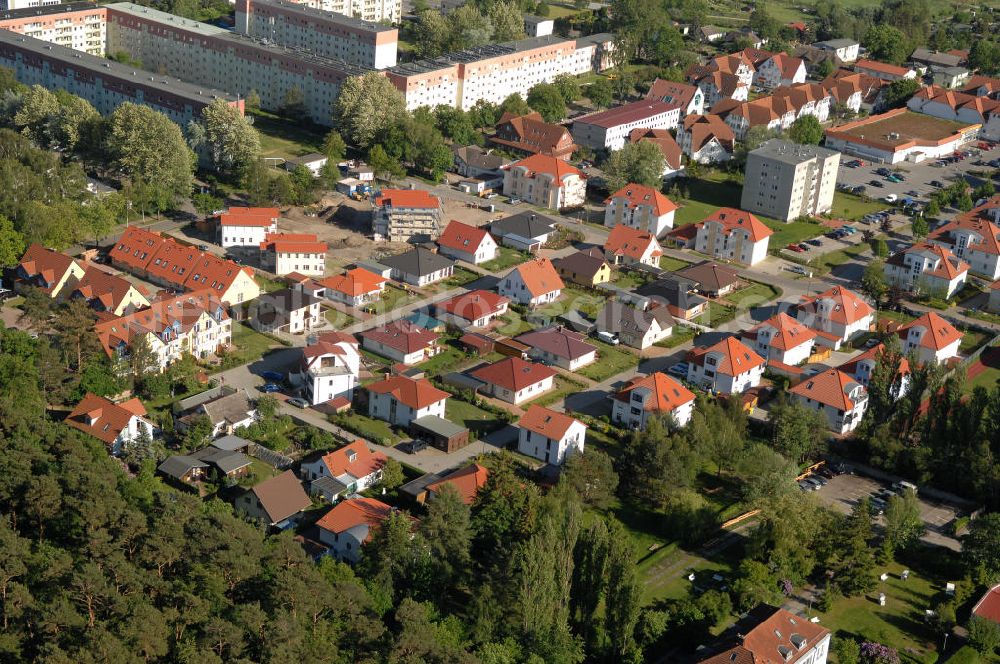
927,268
778,111
706,139
959,107
847,89
778,70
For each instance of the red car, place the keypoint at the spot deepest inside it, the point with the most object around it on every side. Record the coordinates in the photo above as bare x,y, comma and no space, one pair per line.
796,248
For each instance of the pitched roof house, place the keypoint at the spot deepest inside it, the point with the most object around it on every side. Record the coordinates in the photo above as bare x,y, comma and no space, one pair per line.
47,270
546,182
836,315
663,139
350,469
770,635
689,97
116,425
532,283
560,346
726,367
276,501
419,267
646,396
837,396
628,246
402,341
350,524
927,268
782,339
530,134
706,139
640,207
467,243
861,367
526,231
549,436
587,267
515,380
710,278
107,292
355,287
974,236
930,338
476,308
467,481
678,295
634,326
400,399
733,234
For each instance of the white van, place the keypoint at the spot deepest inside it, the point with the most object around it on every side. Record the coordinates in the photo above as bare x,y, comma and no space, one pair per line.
608,337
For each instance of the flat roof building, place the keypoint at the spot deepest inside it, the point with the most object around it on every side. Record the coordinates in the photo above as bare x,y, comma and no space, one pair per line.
786,180
610,129
76,25
900,135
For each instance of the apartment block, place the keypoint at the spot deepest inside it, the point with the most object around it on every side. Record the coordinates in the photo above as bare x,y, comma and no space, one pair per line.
207,55
284,253
325,33
610,129
374,11
401,214
786,181
77,25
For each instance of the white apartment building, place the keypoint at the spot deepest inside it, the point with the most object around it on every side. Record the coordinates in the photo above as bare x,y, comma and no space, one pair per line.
780,69
785,180
927,268
727,367
734,235
975,238
610,129
246,226
549,436
284,253
372,11
76,25
930,338
546,182
399,400
327,33
783,339
837,396
836,315
328,369
654,395
640,207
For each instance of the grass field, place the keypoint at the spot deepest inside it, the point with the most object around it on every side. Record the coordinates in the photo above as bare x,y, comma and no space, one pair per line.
472,417
513,324
459,277
339,319
849,206
610,361
897,316
785,234
507,257
672,264
971,340
681,334
754,295
445,361
989,378
286,138
367,427
250,344
563,386
573,297
392,298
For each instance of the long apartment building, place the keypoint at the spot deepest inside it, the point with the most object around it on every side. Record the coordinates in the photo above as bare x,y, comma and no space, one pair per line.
104,83
77,25
496,71
325,33
375,11
211,56
786,181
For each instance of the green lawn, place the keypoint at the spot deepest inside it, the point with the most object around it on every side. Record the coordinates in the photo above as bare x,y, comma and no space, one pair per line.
611,360
796,231
393,297
472,417
445,361
267,284
259,471
754,295
897,316
287,138
563,387
339,319
971,340
705,196
718,313
986,316
851,207
574,297
680,335
366,427
989,379
629,280
832,259
513,324
250,345
507,257
672,264
459,277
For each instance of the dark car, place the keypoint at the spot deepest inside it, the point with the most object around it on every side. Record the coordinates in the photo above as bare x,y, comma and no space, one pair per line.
416,446
876,183
859,190
270,387
298,403
272,376
814,242
6,294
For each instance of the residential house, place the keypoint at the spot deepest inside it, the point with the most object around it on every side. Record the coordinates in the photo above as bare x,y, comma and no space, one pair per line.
982,86
988,606
276,502
974,237
676,295
706,139
778,111
884,71
836,315
816,59
184,468
419,267
587,268
849,89
649,396
640,207
284,253
726,367
402,215
245,227
950,77
107,293
959,107
930,338
845,49
472,161
546,182
467,481
467,243
227,412
400,399
710,279
349,525
609,130
768,634
549,436
195,323
634,326
167,262
285,310
515,380
719,85
530,134
355,287
780,69
560,346
710,34
345,471
861,367
925,56
782,339
689,97
114,424
732,234
402,341
927,268
476,308
47,270
532,283
664,140
328,369
313,162
526,231
629,246
836,395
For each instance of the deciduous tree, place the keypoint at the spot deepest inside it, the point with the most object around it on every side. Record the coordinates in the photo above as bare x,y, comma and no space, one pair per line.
231,141
806,130
641,163
366,106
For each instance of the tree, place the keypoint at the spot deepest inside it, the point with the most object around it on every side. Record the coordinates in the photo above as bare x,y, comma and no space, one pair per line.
589,577
431,34
755,584
388,557
251,103
334,147
718,433
880,248
984,55
847,650
150,150
984,635
507,20
456,124
920,226
514,104
806,130
823,69
873,281
639,163
38,106
980,550
623,595
799,432
205,203
447,529
384,166
569,87
854,571
231,141
366,106
392,474
903,523
293,104
12,244
657,462
876,653
547,100
766,474
886,44
933,208
468,28
600,93
899,92
592,475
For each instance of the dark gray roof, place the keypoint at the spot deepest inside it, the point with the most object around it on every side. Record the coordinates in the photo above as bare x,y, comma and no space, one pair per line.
231,408
582,263
414,488
327,484
675,292
834,44
419,262
438,425
46,10
179,465
525,224
617,317
935,57
317,15
476,156
787,152
709,275
230,443
226,461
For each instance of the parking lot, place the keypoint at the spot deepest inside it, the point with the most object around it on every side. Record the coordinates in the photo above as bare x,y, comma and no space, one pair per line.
843,492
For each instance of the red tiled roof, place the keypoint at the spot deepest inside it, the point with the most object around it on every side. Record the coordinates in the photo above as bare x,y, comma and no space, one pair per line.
48,264
403,335
108,289
627,113
473,305
668,394
249,216
764,639
354,459
408,198
293,243
989,605
703,128
467,481
513,373
355,512
843,305
109,418
672,92
872,354
354,282
831,388
539,276
737,358
664,140
949,266
938,333
974,221
462,237
415,393
546,422
559,341
881,67
789,333
631,242
639,194
531,133
540,163
733,219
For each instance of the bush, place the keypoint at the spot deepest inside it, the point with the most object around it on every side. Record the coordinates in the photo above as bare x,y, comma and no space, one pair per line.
984,635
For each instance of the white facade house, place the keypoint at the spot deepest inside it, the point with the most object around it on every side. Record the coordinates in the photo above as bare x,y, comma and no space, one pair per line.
285,253
515,380
560,346
399,400
549,436
286,310
533,283
927,268
836,315
861,368
782,339
349,525
974,237
837,396
728,367
355,287
706,139
931,339
402,341
115,424
654,395
629,246
780,69
640,207
328,369
735,235
546,182
355,466
610,129
689,97
467,243
845,49
246,227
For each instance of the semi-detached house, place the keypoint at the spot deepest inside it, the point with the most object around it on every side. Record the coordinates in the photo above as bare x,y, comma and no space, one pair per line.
245,226
640,207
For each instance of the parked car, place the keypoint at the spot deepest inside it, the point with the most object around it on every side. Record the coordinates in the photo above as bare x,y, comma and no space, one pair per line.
272,376
298,403
876,183
202,247
847,228
270,387
798,269
416,445
608,337
803,246
794,247
891,198
814,242
883,171
871,343
860,190
805,486
936,183
878,506
6,294
679,369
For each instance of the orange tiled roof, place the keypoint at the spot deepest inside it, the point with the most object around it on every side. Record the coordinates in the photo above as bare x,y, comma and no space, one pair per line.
974,221
403,335
473,305
467,481
109,419
540,163
45,263
737,358
949,266
415,393
831,388
881,67
733,219
631,242
462,237
640,194
789,333
546,422
408,198
703,128
668,394
872,355
108,289
663,139
355,512
539,276
354,282
183,310
354,459
938,333
293,243
249,216
844,306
